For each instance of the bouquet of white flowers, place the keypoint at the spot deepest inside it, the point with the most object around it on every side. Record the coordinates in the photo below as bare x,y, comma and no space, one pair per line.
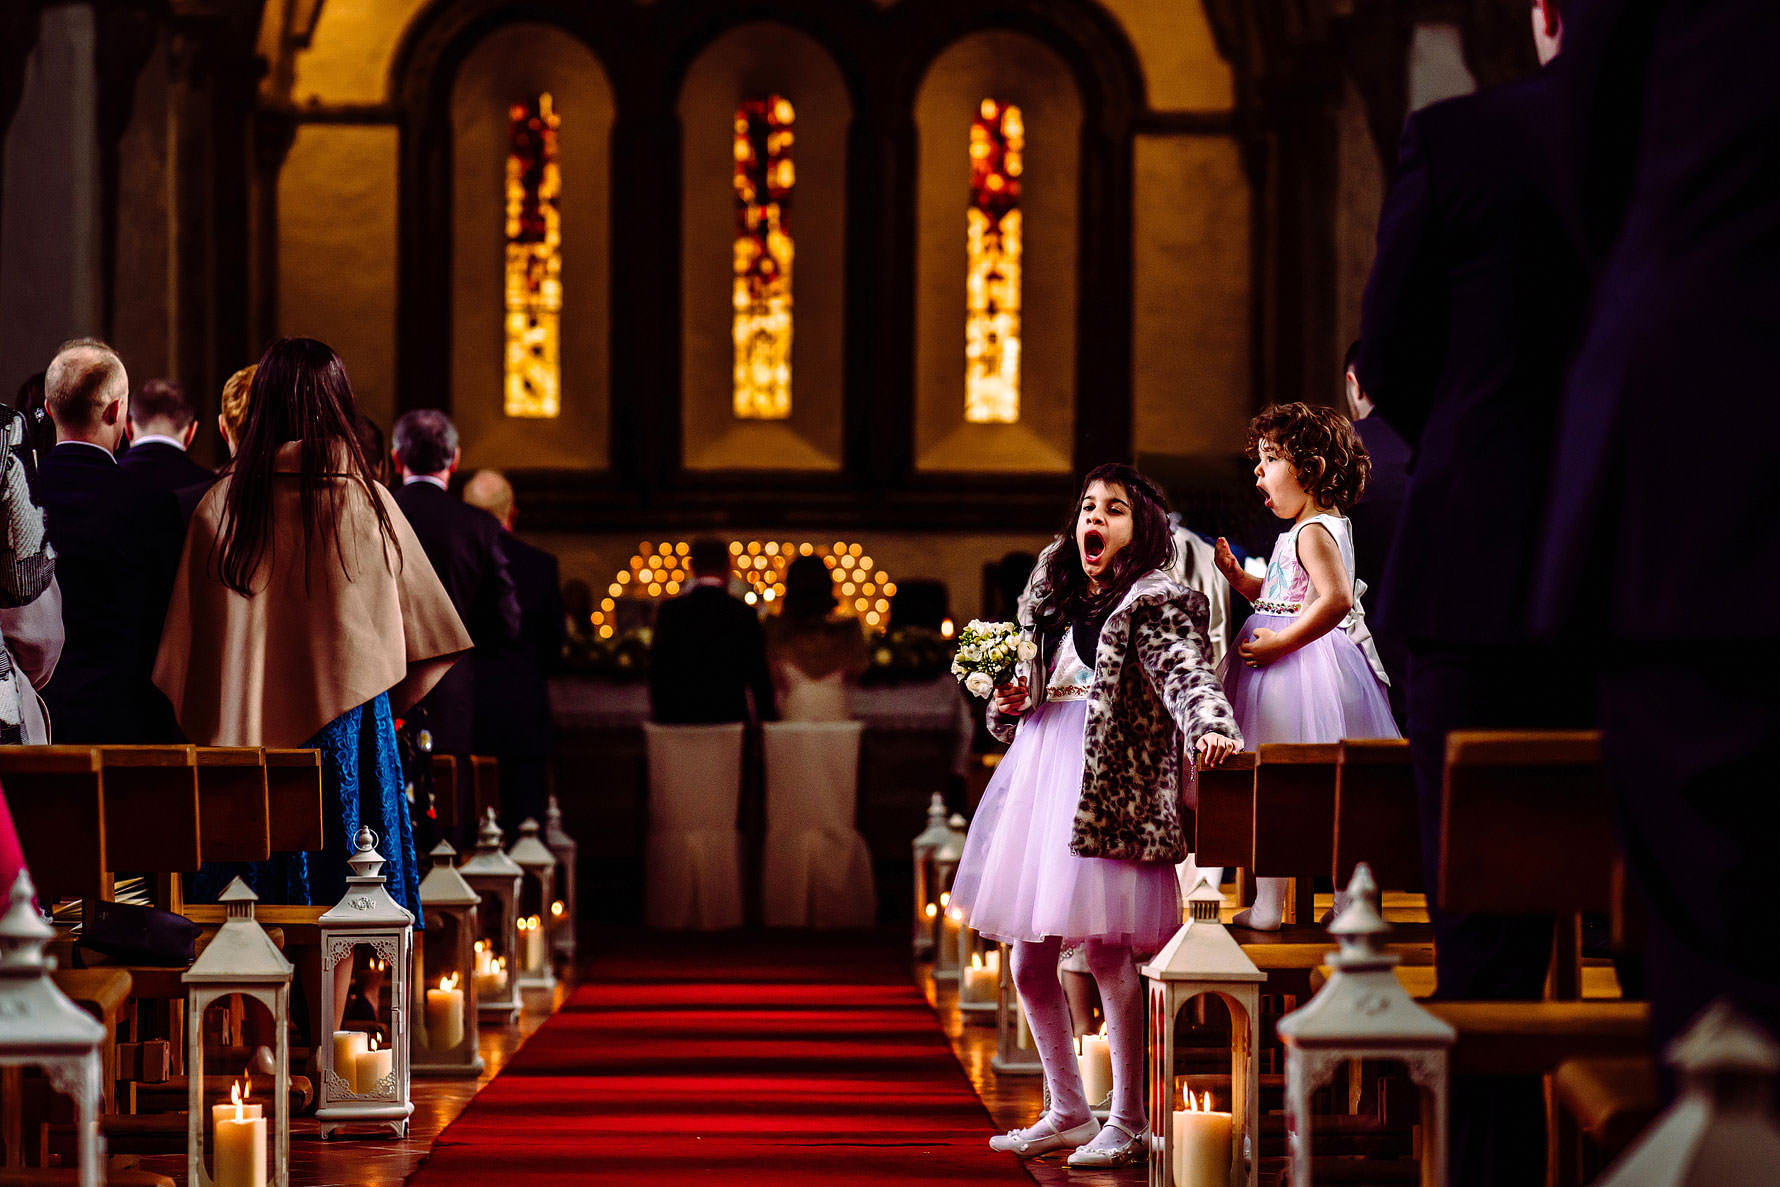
987,653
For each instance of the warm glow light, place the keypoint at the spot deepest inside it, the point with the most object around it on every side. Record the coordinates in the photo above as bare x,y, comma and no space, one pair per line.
945,898
761,325
947,629
993,251
932,911
556,909
657,569
533,373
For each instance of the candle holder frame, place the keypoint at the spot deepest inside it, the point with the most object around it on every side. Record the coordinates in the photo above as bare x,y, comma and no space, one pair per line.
367,916
927,843
567,853
538,866
974,1009
1011,1059
495,878
945,870
447,899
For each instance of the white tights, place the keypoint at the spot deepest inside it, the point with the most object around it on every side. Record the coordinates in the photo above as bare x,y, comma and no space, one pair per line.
1121,996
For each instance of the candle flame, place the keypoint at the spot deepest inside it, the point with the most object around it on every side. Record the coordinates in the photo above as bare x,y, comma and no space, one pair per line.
932,910
236,1100
945,897
976,960
373,1043
481,944
448,982
556,909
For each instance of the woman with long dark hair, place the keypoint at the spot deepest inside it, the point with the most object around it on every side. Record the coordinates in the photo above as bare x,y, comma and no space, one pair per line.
305,613
814,656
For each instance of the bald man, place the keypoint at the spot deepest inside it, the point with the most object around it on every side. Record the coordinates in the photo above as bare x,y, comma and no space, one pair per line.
116,548
512,698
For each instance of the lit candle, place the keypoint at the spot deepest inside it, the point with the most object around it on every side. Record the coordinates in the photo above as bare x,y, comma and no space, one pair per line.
1201,1146
531,944
238,1094
950,923
373,1065
445,1014
240,1145
1093,1054
491,983
348,1046
982,978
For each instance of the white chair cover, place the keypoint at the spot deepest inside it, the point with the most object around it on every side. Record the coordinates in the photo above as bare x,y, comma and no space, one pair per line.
816,871
694,859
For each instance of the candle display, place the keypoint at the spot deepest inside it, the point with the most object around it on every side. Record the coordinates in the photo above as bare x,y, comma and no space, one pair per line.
1093,1053
1201,1145
982,978
491,973
348,1046
238,1094
531,943
240,1144
372,1066
445,1014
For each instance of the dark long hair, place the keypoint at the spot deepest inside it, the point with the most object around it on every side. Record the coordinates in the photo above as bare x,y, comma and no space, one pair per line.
1152,547
300,393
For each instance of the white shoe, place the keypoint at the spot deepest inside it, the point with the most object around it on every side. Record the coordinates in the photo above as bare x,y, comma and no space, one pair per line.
1133,1149
1043,1138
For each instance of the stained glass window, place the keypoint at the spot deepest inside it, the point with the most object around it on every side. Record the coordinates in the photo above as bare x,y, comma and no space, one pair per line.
533,381
992,294
764,177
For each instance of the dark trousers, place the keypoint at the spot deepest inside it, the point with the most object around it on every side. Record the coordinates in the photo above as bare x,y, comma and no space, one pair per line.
1692,742
1498,1122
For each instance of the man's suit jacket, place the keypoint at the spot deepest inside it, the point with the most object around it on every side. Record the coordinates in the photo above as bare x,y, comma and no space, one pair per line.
116,550
464,545
709,653
1375,520
157,466
1471,314
512,698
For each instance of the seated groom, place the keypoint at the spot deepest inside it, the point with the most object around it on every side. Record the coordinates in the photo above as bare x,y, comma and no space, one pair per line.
161,428
709,652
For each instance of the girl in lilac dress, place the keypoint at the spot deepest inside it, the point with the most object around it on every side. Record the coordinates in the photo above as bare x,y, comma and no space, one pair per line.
1304,668
1077,835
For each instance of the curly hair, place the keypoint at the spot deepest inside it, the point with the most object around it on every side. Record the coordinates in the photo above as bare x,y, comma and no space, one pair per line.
1151,547
1322,447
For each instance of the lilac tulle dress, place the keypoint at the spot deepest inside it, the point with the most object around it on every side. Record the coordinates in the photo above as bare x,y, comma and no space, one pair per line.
1329,689
1017,879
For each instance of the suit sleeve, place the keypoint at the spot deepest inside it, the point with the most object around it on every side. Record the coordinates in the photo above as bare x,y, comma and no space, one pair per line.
499,614
1175,652
1402,314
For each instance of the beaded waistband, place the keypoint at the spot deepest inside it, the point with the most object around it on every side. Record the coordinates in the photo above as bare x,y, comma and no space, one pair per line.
1278,607
1066,692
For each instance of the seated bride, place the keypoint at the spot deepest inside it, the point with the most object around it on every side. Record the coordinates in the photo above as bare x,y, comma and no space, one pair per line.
814,656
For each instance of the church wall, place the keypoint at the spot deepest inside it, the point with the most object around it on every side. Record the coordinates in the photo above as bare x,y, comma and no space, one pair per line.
144,291
1181,66
515,63
349,57
337,252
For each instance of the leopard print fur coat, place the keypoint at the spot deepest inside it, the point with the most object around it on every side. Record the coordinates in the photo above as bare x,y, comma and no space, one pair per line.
1154,693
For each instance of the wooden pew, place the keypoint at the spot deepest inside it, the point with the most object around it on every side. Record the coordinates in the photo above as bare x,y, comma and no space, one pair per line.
293,799
234,813
1377,816
485,779
57,798
152,815
445,796
1224,823
1294,819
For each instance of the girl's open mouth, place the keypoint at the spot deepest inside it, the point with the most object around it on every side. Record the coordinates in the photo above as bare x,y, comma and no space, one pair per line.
1093,545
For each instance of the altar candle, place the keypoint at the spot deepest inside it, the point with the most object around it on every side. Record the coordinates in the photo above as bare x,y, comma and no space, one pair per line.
240,1145
982,978
1093,1055
1201,1146
445,1014
348,1046
373,1065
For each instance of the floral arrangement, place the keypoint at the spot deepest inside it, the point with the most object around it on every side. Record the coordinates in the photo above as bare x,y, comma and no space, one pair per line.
987,653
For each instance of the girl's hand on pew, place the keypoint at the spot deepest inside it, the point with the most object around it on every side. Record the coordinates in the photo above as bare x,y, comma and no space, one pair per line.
1214,749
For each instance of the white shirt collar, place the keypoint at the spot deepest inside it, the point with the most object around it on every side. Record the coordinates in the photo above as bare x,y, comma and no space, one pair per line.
157,439
413,478
713,582
91,445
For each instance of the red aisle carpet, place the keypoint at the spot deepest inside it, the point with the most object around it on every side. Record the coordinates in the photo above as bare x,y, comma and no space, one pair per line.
761,1058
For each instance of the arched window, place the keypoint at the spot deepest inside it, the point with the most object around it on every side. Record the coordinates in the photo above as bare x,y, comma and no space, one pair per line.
992,297
533,373
764,177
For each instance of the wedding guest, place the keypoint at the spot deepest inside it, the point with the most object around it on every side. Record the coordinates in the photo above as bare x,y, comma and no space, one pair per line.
370,441
814,657
232,410
709,655
115,554
1376,516
464,545
305,614
161,428
40,432
1195,566
512,687
30,602
1471,315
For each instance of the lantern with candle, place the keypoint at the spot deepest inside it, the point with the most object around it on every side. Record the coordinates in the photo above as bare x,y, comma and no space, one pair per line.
564,849
927,884
978,976
495,879
1015,1052
364,1080
1203,959
241,964
946,965
1363,1012
537,891
445,1039
40,1027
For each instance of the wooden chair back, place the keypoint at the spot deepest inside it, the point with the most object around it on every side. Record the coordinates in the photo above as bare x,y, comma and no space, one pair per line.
1224,823
1377,817
445,795
485,780
1295,818
152,815
57,798
232,803
293,798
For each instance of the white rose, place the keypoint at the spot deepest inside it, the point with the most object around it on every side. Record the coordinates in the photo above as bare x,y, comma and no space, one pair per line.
1028,649
978,684
957,668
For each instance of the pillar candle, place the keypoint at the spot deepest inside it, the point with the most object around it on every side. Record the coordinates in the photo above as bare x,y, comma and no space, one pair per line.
240,1150
981,979
1094,1056
491,982
445,1015
531,944
221,1113
372,1067
348,1046
1201,1148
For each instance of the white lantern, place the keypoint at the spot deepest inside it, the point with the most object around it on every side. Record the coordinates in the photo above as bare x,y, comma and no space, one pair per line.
445,1038
40,1027
949,937
1720,1130
927,888
495,878
1015,1052
565,850
978,976
364,1081
1363,1012
240,961
1202,958
537,891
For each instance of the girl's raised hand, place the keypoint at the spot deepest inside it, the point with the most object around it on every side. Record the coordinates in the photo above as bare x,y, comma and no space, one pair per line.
1214,749
1226,560
1010,699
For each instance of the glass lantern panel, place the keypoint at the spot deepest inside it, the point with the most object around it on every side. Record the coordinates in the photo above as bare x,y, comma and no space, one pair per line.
239,1102
369,991
1203,1033
441,982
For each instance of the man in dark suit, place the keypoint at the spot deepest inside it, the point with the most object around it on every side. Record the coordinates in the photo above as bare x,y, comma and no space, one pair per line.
464,545
1661,507
709,651
512,693
1471,314
116,550
161,428
1375,518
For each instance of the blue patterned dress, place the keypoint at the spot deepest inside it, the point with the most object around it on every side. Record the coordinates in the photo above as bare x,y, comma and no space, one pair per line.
362,783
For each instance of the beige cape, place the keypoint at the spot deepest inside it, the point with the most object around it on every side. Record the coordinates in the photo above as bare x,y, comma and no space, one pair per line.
273,669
